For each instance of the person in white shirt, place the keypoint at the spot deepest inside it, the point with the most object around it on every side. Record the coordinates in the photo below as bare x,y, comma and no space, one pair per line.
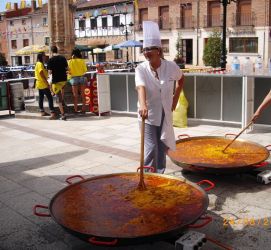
155,81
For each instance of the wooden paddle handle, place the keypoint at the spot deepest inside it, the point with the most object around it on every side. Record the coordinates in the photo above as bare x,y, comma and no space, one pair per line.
246,127
141,185
142,143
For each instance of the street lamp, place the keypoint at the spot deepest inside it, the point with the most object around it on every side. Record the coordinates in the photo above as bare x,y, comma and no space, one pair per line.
125,28
223,60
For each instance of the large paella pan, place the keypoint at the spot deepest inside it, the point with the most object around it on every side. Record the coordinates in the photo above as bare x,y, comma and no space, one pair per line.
110,210
206,153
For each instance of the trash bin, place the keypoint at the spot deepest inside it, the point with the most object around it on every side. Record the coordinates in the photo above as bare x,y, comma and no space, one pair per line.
17,93
3,96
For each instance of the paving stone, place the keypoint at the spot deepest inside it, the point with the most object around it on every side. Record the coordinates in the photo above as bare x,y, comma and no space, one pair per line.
44,185
7,185
25,202
14,193
28,238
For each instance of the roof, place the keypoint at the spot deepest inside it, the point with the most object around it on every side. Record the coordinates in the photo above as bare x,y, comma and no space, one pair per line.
18,12
43,9
98,3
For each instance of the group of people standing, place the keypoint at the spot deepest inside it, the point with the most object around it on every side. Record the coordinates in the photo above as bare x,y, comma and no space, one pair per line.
51,80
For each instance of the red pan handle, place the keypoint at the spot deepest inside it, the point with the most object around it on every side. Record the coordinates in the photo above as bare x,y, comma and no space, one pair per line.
212,185
268,146
68,180
229,135
152,169
262,164
93,240
40,214
206,219
183,135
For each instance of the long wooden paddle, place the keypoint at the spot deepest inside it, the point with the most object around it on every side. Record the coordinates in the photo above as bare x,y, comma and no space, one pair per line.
237,136
141,185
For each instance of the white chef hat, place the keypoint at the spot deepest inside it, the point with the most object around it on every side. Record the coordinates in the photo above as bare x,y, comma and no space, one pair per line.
151,34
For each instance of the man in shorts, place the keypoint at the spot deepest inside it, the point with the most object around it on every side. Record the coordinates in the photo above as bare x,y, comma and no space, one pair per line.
57,66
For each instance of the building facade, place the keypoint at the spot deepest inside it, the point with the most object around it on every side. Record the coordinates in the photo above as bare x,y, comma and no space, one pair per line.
248,27
99,24
25,25
3,35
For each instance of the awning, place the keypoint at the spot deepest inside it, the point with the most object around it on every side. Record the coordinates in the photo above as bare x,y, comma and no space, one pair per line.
32,49
110,48
98,50
83,47
129,43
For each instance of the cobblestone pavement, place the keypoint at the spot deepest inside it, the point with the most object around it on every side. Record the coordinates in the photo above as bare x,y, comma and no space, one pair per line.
38,155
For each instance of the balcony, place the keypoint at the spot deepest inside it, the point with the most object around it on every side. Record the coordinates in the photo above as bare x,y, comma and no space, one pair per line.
164,23
84,32
244,19
211,21
185,22
138,26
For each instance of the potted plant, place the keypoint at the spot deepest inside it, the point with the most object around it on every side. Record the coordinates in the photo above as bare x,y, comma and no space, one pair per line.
179,60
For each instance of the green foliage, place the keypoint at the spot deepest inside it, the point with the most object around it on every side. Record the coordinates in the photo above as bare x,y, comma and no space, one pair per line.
179,56
179,46
3,61
213,50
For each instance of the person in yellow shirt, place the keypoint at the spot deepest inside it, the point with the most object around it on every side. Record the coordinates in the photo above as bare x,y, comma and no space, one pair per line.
41,76
76,71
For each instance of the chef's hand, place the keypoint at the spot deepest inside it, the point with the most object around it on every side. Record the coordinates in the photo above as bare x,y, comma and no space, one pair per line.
255,116
143,111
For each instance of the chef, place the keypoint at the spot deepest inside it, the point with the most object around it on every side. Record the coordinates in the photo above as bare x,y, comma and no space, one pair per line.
157,99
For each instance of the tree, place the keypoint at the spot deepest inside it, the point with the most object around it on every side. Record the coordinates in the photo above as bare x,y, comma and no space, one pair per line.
213,49
179,56
3,61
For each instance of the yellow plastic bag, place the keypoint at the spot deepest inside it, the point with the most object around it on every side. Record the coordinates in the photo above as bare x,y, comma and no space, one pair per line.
180,113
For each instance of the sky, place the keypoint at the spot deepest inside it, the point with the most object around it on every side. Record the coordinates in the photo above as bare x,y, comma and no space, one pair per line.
3,3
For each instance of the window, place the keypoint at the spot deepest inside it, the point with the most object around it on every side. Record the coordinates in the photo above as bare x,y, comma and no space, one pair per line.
11,23
165,45
243,45
47,40
116,21
13,44
93,23
84,54
117,54
164,17
213,19
243,15
23,21
186,16
82,25
27,59
44,21
104,22
101,57
143,16
25,42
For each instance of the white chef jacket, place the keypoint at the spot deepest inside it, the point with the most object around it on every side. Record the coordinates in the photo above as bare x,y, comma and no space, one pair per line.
159,95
